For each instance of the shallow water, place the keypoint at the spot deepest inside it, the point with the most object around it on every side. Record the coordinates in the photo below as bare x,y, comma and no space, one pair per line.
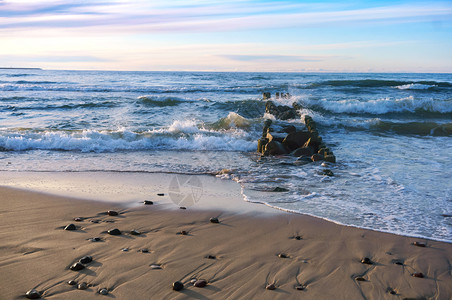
391,134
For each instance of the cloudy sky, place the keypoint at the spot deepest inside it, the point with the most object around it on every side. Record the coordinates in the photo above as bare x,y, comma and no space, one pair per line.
234,35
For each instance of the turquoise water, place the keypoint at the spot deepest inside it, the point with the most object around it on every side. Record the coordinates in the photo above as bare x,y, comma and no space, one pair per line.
391,133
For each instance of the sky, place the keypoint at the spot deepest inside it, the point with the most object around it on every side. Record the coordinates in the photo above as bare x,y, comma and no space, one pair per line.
234,35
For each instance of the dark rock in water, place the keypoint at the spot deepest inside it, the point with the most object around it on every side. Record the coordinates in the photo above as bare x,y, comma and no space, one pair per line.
360,279
103,292
82,286
330,158
86,259
303,151
289,129
148,202
296,139
313,143
270,287
287,113
214,220
275,136
112,213
418,275
327,172
77,266
299,287
261,144
317,157
160,194
32,294
115,231
211,257
282,255
178,286
419,244
200,283
446,215
135,232
70,227
275,148
366,261
280,189
72,282
78,219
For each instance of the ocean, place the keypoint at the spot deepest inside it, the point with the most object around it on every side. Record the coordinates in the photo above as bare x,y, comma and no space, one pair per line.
391,134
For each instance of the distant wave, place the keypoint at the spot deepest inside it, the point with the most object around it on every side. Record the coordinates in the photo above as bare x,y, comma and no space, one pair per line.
371,83
69,106
160,101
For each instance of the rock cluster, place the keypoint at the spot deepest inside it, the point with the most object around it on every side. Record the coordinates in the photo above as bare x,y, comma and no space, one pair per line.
283,140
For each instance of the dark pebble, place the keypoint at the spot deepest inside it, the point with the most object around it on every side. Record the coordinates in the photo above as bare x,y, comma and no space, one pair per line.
392,292
270,287
94,221
193,280
327,172
33,294
282,255
298,237
200,283
418,275
156,267
148,202
419,244
86,259
95,239
82,286
144,250
103,292
178,286
214,220
70,227
398,262
77,266
183,232
182,207
366,261
72,282
161,194
115,231
299,287
360,279
211,257
112,213
78,219
135,232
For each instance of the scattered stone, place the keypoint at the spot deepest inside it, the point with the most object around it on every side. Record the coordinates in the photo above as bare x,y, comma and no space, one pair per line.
211,256
135,232
156,267
103,292
148,202
282,255
94,221
418,275
86,259
360,279
77,266
112,213
33,294
270,287
419,244
78,219
391,291
115,231
398,262
144,250
70,227
300,287
125,249
298,237
200,283
72,282
82,286
178,286
183,232
182,207
95,239
160,194
214,220
366,261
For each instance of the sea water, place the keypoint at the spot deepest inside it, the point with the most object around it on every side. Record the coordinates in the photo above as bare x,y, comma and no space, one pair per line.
391,134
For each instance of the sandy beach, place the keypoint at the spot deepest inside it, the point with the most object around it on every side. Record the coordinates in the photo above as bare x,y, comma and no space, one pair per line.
239,257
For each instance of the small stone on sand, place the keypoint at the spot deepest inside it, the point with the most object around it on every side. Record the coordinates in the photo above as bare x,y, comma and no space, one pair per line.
419,244
193,280
200,283
77,266
298,237
282,255
360,279
214,220
125,249
366,261
144,250
86,259
78,219
183,232
115,231
95,221
103,292
72,282
82,286
33,294
95,239
156,267
418,275
148,202
70,227
178,286
161,194
135,232
299,287
211,257
112,213
270,287
182,207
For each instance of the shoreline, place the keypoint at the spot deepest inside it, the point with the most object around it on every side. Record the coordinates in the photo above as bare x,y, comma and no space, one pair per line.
245,250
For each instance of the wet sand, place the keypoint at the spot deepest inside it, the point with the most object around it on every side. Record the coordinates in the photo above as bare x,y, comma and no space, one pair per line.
248,251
